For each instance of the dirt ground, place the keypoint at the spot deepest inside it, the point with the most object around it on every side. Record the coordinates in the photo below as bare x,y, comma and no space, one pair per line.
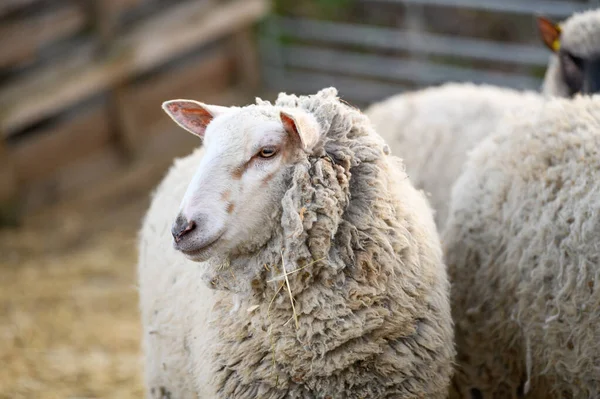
69,325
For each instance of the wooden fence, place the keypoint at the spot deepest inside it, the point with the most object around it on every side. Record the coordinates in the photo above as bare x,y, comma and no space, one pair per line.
367,62
81,85
81,82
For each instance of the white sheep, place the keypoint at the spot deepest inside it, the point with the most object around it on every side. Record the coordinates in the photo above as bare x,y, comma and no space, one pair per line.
433,129
522,249
292,200
575,65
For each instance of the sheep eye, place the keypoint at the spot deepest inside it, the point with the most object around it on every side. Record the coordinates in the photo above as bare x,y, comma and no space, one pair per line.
267,152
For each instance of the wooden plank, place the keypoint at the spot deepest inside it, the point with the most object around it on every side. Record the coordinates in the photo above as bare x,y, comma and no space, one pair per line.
243,44
142,101
104,21
75,177
122,129
83,173
8,6
105,17
7,175
120,6
9,210
20,39
422,42
530,7
135,108
184,28
392,68
51,149
354,89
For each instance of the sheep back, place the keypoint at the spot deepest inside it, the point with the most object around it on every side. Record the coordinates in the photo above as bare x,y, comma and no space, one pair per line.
522,250
433,129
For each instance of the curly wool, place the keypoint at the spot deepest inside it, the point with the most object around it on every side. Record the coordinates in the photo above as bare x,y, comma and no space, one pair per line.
580,36
433,129
370,291
522,250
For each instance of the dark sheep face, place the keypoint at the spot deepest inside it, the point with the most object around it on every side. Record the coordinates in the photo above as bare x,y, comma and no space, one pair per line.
581,75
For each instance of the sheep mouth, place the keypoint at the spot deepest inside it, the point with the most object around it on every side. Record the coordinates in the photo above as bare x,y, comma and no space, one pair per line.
202,249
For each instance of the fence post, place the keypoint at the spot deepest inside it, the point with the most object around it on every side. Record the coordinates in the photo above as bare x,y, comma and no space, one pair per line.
9,204
247,63
271,50
104,14
413,21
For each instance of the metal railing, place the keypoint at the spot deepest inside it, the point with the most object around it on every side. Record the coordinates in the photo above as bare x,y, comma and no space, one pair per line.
356,57
552,8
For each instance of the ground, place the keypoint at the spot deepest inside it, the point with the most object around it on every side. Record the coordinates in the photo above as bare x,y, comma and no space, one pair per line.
69,323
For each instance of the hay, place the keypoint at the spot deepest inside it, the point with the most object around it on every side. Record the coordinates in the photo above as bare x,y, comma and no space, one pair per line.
69,324
287,283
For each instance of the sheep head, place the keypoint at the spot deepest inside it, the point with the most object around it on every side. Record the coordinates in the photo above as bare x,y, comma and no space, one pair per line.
234,198
576,47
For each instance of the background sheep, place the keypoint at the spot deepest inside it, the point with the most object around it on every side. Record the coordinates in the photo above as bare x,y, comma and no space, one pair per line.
522,250
433,129
320,214
575,65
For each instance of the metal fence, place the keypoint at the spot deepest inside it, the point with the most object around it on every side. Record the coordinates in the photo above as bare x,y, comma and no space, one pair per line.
362,61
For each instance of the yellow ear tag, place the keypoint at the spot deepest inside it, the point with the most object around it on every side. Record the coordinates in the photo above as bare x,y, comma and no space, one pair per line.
556,42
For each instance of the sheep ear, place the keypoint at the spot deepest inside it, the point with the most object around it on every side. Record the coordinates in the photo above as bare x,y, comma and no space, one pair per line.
302,126
192,115
550,32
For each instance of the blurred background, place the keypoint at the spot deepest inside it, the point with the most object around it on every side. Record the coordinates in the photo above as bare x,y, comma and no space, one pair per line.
83,140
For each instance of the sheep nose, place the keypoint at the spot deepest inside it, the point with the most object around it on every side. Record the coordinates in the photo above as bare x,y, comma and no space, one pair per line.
181,227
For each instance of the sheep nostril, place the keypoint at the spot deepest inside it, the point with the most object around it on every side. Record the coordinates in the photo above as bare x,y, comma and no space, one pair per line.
181,228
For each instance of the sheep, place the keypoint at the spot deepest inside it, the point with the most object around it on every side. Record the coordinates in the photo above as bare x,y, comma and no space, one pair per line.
312,266
574,66
521,244
434,128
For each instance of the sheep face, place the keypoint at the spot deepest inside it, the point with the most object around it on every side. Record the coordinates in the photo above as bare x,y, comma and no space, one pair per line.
580,75
575,67
233,200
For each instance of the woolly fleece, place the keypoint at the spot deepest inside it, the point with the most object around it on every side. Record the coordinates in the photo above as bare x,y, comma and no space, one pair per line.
581,37
373,314
433,129
522,250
